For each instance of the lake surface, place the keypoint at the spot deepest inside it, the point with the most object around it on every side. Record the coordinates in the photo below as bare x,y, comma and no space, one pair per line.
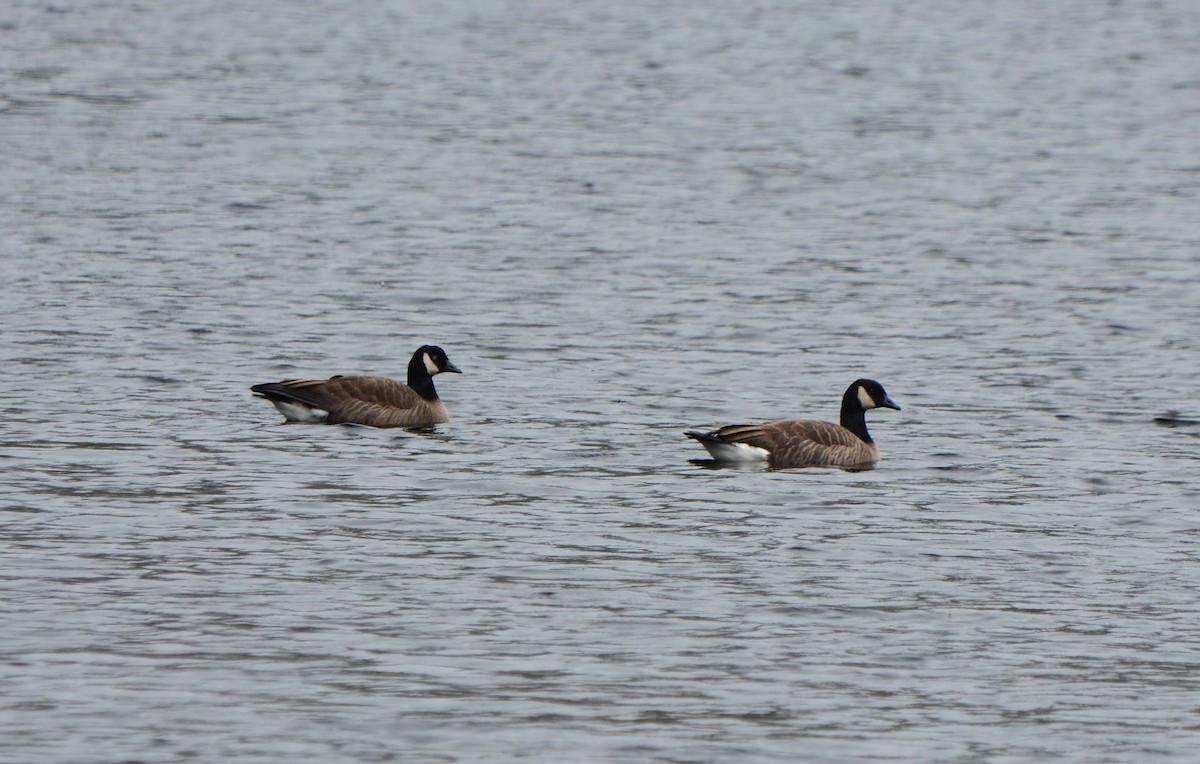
621,221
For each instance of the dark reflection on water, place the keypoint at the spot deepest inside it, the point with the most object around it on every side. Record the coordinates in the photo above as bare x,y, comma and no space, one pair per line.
629,219
1173,419
713,464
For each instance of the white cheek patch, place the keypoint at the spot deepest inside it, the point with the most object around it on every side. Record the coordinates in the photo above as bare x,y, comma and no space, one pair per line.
430,366
864,398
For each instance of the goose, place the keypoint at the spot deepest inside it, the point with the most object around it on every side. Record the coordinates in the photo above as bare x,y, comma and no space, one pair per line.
364,399
805,442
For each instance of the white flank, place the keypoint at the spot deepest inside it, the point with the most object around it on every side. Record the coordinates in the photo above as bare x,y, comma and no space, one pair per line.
298,412
430,366
864,399
736,452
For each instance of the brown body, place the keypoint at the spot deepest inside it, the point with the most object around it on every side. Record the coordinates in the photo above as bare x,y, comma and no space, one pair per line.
369,400
803,443
365,399
785,443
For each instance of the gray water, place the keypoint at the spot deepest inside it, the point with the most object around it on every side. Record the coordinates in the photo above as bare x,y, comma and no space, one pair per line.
622,220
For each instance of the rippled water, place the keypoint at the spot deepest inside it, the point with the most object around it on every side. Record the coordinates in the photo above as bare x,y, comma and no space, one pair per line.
622,222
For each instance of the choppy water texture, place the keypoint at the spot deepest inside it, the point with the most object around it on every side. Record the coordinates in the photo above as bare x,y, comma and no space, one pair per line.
622,220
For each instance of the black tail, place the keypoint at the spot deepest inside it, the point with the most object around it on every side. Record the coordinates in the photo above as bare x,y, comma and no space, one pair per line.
278,391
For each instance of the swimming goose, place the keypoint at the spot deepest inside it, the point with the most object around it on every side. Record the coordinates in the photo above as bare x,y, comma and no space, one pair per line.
806,442
369,400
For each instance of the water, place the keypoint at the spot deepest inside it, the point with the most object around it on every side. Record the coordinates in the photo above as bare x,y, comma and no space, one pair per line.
622,222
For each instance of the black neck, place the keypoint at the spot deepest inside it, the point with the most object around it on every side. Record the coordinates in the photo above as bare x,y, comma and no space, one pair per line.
419,379
854,418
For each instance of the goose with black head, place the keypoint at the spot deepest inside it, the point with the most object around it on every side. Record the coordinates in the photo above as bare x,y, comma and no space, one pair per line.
366,399
785,443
